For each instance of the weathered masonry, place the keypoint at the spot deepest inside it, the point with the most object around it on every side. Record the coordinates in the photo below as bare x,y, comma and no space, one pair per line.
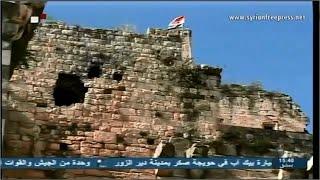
97,92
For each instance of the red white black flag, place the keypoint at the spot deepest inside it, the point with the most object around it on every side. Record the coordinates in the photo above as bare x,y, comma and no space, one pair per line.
177,22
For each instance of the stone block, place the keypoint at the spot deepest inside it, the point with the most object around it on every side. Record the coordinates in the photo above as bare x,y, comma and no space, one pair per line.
105,137
137,149
26,131
74,147
130,140
121,147
26,138
96,172
116,130
42,116
108,153
85,144
97,145
88,134
89,151
66,141
12,136
111,146
54,146
25,174
127,111
67,32
104,127
115,123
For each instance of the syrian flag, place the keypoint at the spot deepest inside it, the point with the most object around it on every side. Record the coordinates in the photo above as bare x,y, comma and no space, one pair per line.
177,22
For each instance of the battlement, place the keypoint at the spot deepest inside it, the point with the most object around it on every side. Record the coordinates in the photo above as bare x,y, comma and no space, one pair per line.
177,32
178,40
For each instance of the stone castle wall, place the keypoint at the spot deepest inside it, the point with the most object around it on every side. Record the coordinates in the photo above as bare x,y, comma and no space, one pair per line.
93,92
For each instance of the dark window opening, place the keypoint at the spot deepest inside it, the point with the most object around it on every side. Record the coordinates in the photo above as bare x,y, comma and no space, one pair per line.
150,141
42,105
121,88
69,89
238,149
178,134
158,114
268,126
117,76
72,127
168,61
168,150
107,91
63,147
143,133
94,71
201,151
120,139
220,120
87,127
59,49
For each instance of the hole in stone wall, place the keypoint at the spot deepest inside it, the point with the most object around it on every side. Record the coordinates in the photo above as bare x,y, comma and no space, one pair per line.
238,149
60,49
158,114
94,71
117,76
268,126
120,139
168,150
201,151
63,147
178,134
107,91
72,127
168,61
121,88
143,133
87,127
220,120
69,89
150,141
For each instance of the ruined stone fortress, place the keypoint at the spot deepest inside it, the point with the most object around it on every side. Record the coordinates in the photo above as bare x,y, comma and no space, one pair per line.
109,93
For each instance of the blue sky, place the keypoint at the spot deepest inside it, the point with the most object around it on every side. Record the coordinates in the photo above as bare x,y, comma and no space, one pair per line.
278,54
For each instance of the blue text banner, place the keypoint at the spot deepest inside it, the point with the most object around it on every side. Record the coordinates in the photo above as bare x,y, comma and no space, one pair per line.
154,163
